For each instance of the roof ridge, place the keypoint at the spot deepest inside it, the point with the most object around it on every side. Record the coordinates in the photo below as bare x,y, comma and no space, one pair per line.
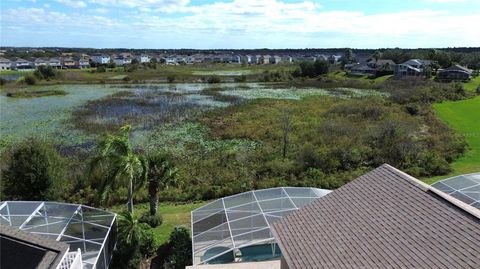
426,188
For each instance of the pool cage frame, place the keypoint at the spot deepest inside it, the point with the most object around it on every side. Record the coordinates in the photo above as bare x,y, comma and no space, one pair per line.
89,229
465,188
244,220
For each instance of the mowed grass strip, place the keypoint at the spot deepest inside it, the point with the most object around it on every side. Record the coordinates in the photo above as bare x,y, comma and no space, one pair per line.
464,117
173,215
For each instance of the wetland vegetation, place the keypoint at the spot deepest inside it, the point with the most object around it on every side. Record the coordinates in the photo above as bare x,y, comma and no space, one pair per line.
225,138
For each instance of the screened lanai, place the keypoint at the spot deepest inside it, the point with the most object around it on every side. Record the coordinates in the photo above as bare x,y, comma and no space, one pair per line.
237,227
91,230
466,188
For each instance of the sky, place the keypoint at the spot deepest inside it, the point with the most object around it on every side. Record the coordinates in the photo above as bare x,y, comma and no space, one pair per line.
237,24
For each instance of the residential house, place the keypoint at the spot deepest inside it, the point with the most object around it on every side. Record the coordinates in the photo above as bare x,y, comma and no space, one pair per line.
454,72
412,68
40,61
22,64
265,59
55,63
122,61
101,59
5,64
362,70
275,59
143,58
249,59
403,70
171,60
334,59
68,63
257,59
322,57
83,63
383,66
287,59
383,219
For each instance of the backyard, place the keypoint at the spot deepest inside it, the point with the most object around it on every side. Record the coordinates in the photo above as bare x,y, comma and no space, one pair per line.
464,117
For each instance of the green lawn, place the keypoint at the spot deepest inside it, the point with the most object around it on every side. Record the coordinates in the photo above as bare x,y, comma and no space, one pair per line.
473,84
464,117
173,215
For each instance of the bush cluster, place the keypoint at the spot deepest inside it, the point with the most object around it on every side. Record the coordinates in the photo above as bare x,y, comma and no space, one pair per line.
152,220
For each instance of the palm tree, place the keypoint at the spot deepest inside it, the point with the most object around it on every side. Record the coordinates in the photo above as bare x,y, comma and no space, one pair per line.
161,174
119,164
130,230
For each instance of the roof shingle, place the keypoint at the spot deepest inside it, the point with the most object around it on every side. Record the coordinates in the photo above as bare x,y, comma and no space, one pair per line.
383,219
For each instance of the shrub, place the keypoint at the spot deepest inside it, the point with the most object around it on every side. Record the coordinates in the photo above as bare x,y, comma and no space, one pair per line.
33,172
3,81
152,220
44,72
214,79
171,78
240,79
126,78
30,80
101,69
478,90
180,252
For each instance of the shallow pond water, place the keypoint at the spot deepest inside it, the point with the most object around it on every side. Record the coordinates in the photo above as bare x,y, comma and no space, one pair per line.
77,118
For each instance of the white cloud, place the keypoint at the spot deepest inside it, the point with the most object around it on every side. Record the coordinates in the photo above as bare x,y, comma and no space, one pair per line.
449,1
251,23
72,3
146,5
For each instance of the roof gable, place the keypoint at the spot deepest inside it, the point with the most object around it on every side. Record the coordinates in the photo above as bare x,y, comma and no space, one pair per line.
383,219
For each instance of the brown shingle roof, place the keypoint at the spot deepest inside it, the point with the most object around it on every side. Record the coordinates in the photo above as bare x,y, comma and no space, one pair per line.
383,219
20,249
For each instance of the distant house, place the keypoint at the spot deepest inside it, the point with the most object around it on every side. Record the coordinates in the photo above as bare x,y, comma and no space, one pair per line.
322,57
248,59
454,72
257,59
143,58
68,63
412,68
383,66
22,64
362,70
101,59
171,60
265,59
5,64
122,61
287,59
404,70
334,59
275,59
83,63
55,63
40,61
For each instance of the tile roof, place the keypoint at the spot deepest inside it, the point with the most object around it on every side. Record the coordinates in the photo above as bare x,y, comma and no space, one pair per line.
25,250
383,219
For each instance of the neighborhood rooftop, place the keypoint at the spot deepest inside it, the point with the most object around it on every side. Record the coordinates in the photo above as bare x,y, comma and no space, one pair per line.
88,231
383,219
42,252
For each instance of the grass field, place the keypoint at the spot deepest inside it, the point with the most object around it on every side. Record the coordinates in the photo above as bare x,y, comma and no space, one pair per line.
464,117
473,84
173,215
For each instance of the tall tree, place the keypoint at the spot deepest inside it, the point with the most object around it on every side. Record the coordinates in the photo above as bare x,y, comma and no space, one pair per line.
161,174
119,164
32,172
